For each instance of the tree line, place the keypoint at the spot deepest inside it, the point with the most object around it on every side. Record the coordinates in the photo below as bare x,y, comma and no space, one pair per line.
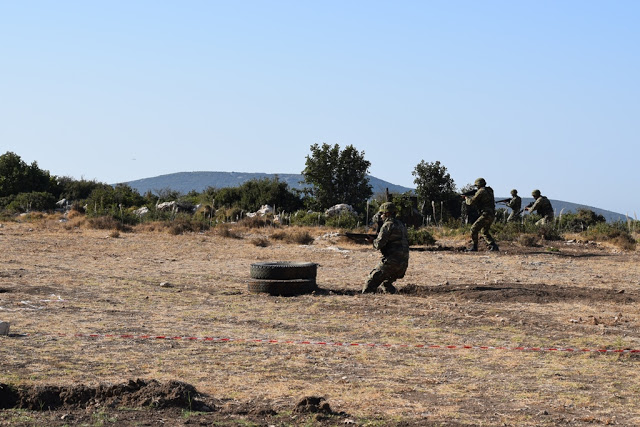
331,176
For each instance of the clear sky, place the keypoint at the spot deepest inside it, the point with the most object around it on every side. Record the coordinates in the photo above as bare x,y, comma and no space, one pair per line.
527,94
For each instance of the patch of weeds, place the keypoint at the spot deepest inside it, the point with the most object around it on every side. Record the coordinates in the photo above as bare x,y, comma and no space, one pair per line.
301,237
100,418
261,242
114,234
257,221
552,249
227,232
15,416
279,235
527,240
105,223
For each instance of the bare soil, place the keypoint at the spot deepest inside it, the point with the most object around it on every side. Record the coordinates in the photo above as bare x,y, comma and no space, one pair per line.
59,284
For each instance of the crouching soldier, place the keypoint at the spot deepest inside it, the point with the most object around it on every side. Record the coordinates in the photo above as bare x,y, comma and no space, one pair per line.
393,242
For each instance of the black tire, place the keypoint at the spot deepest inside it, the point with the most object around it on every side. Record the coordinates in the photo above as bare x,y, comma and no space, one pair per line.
284,270
282,287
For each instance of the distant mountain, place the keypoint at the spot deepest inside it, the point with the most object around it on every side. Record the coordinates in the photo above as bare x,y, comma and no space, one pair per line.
185,182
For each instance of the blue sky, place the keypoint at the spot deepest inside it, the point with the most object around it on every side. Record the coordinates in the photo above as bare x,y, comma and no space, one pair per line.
527,94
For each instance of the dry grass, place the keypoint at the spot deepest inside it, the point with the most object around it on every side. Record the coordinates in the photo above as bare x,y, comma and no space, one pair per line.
55,281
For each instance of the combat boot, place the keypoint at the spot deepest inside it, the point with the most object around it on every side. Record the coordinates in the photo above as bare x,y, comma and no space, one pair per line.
494,247
389,288
472,248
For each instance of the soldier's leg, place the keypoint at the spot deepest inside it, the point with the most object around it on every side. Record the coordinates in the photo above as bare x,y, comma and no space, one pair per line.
486,232
376,277
475,228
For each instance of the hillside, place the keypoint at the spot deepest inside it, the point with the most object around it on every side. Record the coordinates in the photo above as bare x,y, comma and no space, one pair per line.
185,182
200,181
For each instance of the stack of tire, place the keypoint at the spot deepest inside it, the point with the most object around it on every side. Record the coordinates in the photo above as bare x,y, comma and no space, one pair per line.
283,278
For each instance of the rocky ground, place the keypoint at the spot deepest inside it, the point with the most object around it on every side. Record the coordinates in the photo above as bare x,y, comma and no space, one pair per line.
149,328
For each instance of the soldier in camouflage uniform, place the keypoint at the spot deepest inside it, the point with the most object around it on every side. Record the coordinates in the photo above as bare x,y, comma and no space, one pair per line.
515,205
484,201
542,206
393,242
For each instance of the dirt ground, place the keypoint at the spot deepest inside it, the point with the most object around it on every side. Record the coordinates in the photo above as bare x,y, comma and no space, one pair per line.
60,284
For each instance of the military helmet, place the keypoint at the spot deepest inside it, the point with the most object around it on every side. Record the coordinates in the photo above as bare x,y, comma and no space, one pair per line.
480,182
387,207
514,192
535,193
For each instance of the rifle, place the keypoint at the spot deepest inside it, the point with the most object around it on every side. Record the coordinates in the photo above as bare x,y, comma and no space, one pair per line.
468,193
369,237
505,201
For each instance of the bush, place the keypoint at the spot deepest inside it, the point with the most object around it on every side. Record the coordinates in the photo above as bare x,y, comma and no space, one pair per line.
256,222
301,237
615,233
420,236
528,240
580,221
345,220
106,223
261,242
25,202
509,231
185,224
307,218
226,231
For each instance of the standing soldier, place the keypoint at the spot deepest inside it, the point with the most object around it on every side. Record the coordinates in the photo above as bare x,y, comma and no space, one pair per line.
484,201
393,242
542,206
514,204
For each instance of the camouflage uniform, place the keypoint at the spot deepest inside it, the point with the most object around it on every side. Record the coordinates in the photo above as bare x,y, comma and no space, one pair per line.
543,207
484,201
515,204
393,242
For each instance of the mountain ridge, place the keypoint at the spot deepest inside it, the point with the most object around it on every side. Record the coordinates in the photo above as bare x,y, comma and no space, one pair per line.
198,181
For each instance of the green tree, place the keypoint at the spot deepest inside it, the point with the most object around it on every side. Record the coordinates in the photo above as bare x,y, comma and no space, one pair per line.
336,177
436,189
258,192
17,177
76,190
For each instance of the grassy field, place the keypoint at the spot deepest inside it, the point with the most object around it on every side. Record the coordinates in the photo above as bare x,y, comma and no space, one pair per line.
58,281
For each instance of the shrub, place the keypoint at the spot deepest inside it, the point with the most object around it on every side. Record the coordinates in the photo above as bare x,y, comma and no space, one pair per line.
307,218
420,236
614,233
301,237
580,221
225,231
256,221
182,225
548,232
509,231
261,242
528,240
25,202
107,223
345,220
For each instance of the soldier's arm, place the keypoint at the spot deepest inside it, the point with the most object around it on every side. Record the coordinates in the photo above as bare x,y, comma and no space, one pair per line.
473,200
383,236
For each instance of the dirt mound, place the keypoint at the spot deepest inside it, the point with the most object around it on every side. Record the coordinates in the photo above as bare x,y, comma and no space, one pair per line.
313,404
521,293
134,394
